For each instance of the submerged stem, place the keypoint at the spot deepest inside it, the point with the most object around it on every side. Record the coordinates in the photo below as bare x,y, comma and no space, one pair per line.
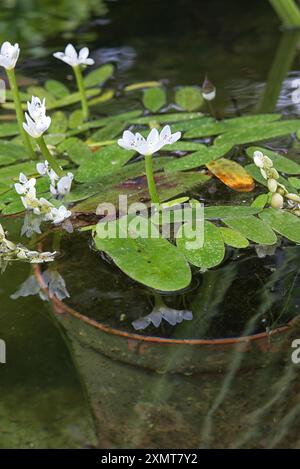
81,89
47,155
19,112
150,180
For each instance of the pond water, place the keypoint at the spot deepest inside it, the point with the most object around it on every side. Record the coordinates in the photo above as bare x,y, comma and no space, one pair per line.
58,392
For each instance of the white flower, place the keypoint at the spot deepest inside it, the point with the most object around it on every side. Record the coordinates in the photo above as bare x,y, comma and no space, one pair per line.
24,185
60,214
9,55
44,207
258,158
43,168
71,57
29,200
63,186
36,128
36,108
154,142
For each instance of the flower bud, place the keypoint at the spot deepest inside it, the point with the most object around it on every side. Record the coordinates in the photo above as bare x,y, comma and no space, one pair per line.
293,197
208,90
272,185
277,201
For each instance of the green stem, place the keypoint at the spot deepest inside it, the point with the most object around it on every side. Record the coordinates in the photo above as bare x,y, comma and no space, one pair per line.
288,12
80,84
150,180
47,155
19,112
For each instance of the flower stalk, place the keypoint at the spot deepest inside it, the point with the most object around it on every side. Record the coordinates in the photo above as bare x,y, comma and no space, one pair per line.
150,180
19,112
81,89
47,155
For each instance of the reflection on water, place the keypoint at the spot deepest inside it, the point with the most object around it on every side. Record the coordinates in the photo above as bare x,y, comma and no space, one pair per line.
212,397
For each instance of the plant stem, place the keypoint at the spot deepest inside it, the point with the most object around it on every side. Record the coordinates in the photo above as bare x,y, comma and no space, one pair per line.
150,180
47,155
81,89
19,112
288,12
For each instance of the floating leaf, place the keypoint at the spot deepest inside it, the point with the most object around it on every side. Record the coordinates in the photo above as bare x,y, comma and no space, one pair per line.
9,129
77,150
106,96
142,85
152,261
109,132
229,211
103,162
136,190
75,119
189,98
154,98
281,163
260,201
199,158
295,182
263,132
253,228
11,152
233,238
226,125
99,76
166,118
282,222
56,88
232,174
59,123
212,252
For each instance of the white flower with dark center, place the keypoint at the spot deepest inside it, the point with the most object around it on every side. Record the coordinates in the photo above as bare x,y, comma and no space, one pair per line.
36,108
36,128
24,185
71,57
154,142
60,214
62,187
9,55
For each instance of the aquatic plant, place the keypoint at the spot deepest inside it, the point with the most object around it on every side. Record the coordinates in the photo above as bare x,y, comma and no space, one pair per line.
92,164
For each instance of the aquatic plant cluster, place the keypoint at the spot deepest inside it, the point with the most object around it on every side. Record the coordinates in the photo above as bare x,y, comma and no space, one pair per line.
85,162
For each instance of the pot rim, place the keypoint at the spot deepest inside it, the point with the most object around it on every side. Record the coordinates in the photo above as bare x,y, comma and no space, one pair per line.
152,339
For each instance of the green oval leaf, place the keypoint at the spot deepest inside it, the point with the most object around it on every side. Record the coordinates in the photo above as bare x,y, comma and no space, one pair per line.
253,228
233,238
152,261
189,98
284,223
212,252
99,76
154,98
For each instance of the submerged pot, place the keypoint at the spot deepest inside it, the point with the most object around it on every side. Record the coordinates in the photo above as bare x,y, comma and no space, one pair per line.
223,393
173,355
